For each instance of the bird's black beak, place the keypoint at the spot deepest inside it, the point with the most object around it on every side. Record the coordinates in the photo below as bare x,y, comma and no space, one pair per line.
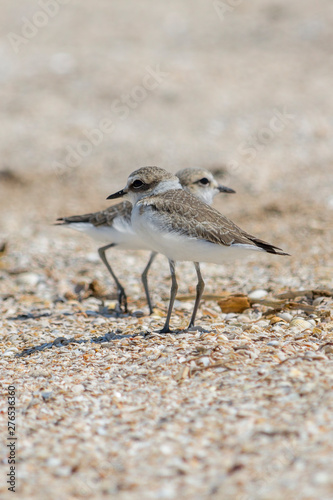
119,194
224,189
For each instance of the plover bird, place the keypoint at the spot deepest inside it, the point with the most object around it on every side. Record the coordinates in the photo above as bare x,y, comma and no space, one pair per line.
113,225
175,223
202,184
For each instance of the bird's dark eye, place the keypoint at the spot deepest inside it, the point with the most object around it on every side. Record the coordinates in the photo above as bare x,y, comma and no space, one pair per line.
204,181
137,184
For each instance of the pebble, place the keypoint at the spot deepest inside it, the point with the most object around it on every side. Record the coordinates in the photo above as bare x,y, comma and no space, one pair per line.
205,361
93,257
78,388
10,352
263,323
222,338
277,329
47,395
166,449
281,355
98,321
318,301
53,462
101,431
63,471
230,316
321,478
286,316
28,279
257,294
243,318
145,328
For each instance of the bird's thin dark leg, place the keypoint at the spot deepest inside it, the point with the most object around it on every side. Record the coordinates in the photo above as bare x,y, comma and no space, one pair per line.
144,279
200,289
173,293
122,298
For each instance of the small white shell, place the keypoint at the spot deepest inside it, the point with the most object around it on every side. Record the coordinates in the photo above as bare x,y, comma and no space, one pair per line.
257,294
301,324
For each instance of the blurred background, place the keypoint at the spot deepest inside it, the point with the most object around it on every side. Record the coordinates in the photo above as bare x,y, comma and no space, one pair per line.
90,93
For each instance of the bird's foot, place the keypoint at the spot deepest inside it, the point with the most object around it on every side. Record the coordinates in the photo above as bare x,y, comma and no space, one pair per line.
165,329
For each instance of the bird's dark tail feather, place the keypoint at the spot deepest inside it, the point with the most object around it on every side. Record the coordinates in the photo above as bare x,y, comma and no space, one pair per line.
268,247
72,219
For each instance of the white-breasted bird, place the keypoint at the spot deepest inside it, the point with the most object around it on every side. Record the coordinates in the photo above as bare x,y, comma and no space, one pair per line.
180,226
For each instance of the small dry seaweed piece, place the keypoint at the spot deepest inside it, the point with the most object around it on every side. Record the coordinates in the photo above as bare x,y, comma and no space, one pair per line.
309,294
